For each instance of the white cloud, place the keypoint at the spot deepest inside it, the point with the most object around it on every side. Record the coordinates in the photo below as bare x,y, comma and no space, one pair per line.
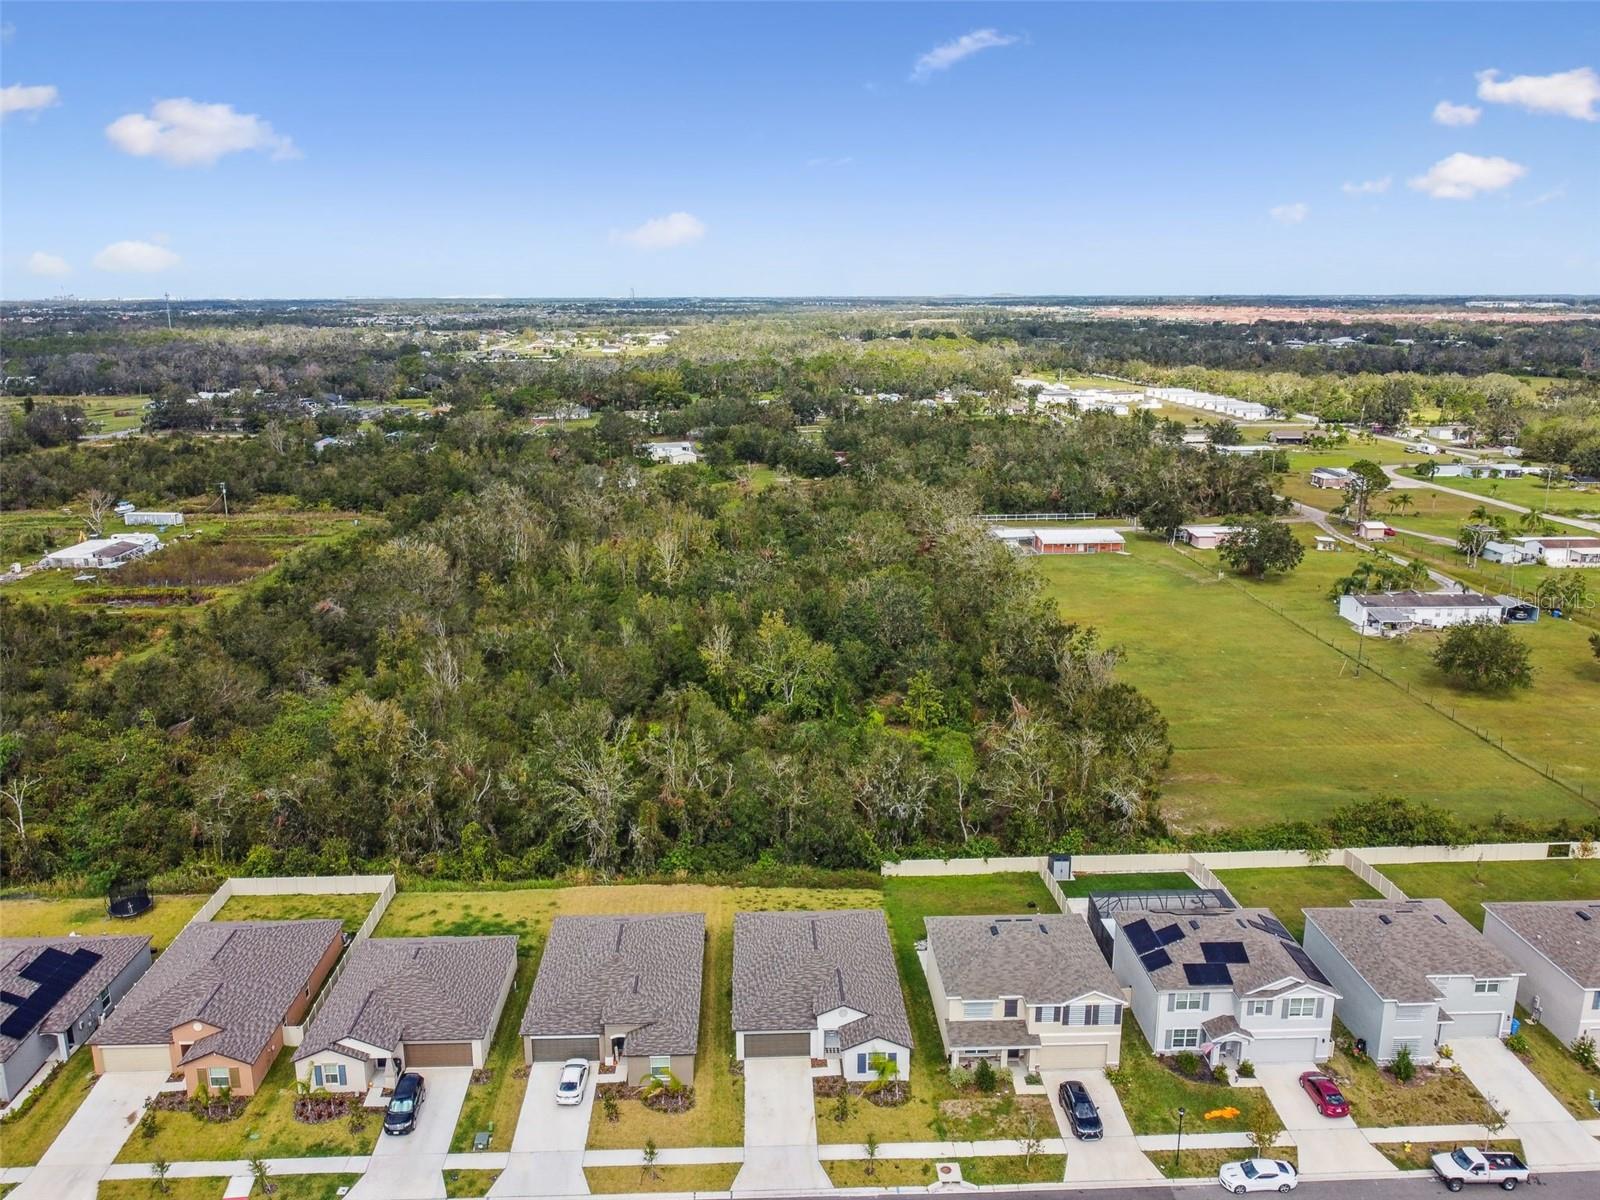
845,161
1446,113
53,265
947,55
21,97
661,233
1566,93
186,133
1463,176
1290,214
1367,187
1546,197
139,257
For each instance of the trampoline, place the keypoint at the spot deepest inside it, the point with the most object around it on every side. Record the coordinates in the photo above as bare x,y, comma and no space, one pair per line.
129,900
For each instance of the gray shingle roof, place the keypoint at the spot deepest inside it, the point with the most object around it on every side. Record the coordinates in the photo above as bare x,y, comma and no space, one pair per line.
1419,939
988,1035
639,971
116,951
1271,959
427,989
1044,959
240,976
791,967
1563,937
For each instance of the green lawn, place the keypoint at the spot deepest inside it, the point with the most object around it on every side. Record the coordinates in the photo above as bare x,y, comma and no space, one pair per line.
1268,722
106,414
1151,1094
919,1172
469,1183
1567,1079
494,1106
285,1187
1131,881
1205,1163
267,1129
1466,885
1377,1099
699,1177
1418,1156
27,1133
1287,890
352,908
42,918
1558,497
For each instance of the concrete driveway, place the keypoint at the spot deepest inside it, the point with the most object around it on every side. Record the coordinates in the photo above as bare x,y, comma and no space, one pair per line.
412,1167
780,1128
92,1138
1551,1136
1117,1154
546,1156
1328,1145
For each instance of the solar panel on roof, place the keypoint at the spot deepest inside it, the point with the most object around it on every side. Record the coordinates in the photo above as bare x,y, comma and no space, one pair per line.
1141,936
1225,952
1155,960
56,974
1308,968
1172,933
1207,974
1270,924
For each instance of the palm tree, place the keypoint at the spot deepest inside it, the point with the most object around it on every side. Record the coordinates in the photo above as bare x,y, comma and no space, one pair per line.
1401,502
1532,520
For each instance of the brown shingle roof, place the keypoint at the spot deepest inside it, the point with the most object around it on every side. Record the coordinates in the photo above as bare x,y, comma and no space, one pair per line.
1419,938
1559,933
791,967
116,951
988,1035
1273,956
429,989
627,970
1044,959
240,976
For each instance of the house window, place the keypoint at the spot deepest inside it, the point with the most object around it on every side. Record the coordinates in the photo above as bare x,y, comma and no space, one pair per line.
1594,1001
1187,1001
875,1061
1091,1014
217,1077
830,1041
1182,1039
1302,1006
1011,1007
977,1010
105,997
1047,1014
329,1076
1484,987
660,1066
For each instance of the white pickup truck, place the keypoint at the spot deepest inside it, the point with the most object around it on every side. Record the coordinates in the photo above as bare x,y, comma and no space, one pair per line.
1469,1165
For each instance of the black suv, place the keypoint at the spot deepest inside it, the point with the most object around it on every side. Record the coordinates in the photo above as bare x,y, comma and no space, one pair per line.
1081,1112
404,1105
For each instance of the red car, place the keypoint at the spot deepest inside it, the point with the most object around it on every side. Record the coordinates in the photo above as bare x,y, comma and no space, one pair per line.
1325,1094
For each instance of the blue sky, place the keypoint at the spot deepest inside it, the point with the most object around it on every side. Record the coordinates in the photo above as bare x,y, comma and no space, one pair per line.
772,149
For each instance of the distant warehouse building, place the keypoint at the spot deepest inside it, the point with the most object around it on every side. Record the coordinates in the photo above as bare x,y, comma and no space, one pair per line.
1205,537
103,553
1389,614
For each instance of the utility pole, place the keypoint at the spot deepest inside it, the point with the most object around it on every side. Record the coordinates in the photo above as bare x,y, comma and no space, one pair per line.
224,488
168,297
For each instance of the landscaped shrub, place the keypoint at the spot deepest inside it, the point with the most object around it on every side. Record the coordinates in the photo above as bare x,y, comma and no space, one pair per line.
317,1108
202,1105
984,1077
1583,1050
1247,1069
961,1078
1219,1073
1186,1062
1517,1043
1403,1068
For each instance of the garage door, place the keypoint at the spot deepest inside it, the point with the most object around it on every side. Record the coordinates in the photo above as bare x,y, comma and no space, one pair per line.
777,1045
136,1058
438,1054
1471,1025
561,1049
1091,1055
1280,1050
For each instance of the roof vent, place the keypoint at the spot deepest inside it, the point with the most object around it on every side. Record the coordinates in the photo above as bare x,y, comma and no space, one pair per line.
1385,919
1193,924
994,931
1583,916
1045,929
1437,917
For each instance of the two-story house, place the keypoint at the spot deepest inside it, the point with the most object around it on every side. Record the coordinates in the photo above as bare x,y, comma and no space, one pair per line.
1232,985
1411,973
1557,944
1032,992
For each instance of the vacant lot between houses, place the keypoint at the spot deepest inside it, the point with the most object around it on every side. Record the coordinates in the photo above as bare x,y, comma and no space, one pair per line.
1270,723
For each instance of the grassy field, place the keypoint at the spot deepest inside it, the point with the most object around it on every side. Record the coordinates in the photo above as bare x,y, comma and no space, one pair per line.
1286,890
1558,497
267,1129
351,909
493,1106
1138,881
1568,1080
27,1134
919,1172
1151,1094
106,414
699,1177
42,918
1266,720
1466,886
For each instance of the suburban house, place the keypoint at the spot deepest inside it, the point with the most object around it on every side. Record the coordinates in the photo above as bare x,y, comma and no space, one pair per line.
623,991
214,1006
819,985
1563,551
1387,614
407,1002
1332,477
1289,437
1373,531
1077,541
102,553
54,992
1031,992
672,453
1229,984
1556,944
1205,537
1411,973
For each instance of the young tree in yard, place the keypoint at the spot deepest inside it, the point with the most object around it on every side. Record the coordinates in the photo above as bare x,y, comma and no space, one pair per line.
1261,545
984,1077
1263,1132
262,1176
1426,470
1474,537
648,1169
1485,657
1030,1135
870,1148
1400,503
159,1169
1368,482
1402,1067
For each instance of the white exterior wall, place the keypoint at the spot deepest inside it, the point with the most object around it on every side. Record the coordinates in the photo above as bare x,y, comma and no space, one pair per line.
1570,1011
1476,1014
850,1060
1365,1013
1282,1038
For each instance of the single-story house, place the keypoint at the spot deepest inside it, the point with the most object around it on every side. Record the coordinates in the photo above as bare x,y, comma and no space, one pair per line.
214,1005
1564,551
1507,552
1289,437
672,453
619,990
150,517
102,553
1078,541
1205,537
1373,531
1332,477
54,992
407,1002
1229,984
1411,973
1556,945
1023,991
1385,614
819,985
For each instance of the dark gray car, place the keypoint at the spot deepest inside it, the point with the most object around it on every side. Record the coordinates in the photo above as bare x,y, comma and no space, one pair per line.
1082,1115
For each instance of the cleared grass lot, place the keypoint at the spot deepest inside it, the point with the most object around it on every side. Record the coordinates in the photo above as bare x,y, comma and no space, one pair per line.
285,1187
1418,1156
699,1177
44,918
1268,722
1287,890
1466,886
105,414
351,909
1204,1164
1378,1100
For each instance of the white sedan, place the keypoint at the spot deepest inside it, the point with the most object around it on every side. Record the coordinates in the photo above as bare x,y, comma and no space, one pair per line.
574,1074
1258,1175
